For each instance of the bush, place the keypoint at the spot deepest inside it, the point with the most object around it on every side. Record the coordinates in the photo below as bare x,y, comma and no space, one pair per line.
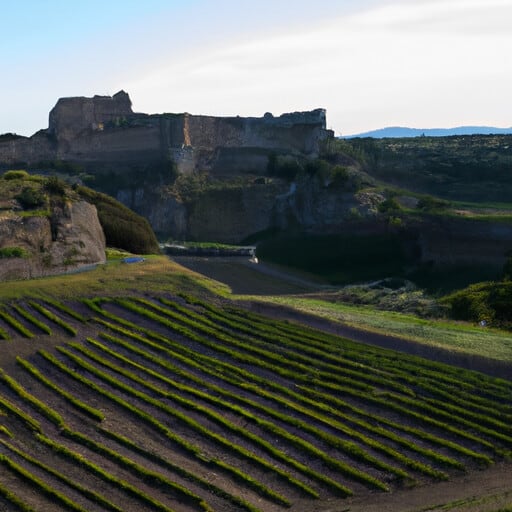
15,175
285,168
13,252
339,175
389,205
317,167
429,203
487,301
55,186
30,198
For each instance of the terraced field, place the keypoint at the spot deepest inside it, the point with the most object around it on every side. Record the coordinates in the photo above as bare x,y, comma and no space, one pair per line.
160,402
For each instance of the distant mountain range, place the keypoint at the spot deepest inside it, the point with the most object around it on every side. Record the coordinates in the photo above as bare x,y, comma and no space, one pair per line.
399,131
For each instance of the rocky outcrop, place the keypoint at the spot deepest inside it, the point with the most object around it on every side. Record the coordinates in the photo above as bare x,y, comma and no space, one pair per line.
69,238
232,211
103,133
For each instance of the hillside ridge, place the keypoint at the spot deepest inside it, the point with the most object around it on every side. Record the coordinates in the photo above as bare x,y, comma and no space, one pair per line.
404,131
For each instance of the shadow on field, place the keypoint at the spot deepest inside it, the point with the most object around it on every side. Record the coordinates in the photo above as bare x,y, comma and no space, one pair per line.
246,277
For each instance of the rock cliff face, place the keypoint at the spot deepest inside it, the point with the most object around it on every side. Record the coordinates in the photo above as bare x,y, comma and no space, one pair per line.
235,211
70,238
464,241
104,133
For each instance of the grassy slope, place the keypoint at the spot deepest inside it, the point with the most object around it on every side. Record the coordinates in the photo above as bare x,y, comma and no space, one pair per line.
156,273
473,168
159,274
460,337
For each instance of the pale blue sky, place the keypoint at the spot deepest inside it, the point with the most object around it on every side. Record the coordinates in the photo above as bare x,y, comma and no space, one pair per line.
370,63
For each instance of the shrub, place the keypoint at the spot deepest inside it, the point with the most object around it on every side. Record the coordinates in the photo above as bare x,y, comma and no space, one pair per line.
13,252
487,301
317,167
339,175
285,168
429,203
31,198
389,205
15,175
55,186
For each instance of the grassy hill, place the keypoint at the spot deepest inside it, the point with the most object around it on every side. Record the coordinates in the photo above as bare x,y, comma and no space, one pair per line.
462,168
136,388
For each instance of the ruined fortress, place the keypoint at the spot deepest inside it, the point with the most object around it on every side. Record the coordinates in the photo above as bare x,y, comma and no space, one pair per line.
103,133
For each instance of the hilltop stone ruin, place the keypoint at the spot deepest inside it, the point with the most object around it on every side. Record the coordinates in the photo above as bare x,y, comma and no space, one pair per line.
104,133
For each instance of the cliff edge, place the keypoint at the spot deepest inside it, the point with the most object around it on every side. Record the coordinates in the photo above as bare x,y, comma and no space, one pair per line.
45,228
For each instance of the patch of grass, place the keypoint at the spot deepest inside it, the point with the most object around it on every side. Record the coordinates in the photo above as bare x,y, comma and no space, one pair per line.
95,497
13,252
40,484
15,175
229,426
151,421
54,318
146,475
104,475
13,322
66,309
31,318
124,441
82,406
455,336
14,500
195,425
157,273
37,404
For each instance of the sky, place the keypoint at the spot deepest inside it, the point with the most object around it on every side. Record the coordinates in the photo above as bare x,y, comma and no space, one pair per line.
369,63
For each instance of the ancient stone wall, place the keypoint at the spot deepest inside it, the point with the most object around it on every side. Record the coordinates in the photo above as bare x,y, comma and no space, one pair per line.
73,116
103,132
27,150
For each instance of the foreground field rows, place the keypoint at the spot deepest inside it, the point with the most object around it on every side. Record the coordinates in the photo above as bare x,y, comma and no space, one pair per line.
171,403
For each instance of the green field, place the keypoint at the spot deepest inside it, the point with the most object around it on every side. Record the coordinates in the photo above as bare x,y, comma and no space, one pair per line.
461,337
145,387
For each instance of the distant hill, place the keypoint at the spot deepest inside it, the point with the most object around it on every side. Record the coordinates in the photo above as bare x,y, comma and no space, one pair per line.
399,131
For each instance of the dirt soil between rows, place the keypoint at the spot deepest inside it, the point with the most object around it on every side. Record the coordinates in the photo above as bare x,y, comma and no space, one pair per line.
489,490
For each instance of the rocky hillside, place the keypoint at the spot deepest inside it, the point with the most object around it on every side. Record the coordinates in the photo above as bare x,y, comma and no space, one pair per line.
45,228
239,179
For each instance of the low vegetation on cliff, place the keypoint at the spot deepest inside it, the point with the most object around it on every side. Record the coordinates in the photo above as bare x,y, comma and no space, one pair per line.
123,228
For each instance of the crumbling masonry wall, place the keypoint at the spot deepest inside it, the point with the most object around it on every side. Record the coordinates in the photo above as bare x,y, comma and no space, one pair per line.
103,132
